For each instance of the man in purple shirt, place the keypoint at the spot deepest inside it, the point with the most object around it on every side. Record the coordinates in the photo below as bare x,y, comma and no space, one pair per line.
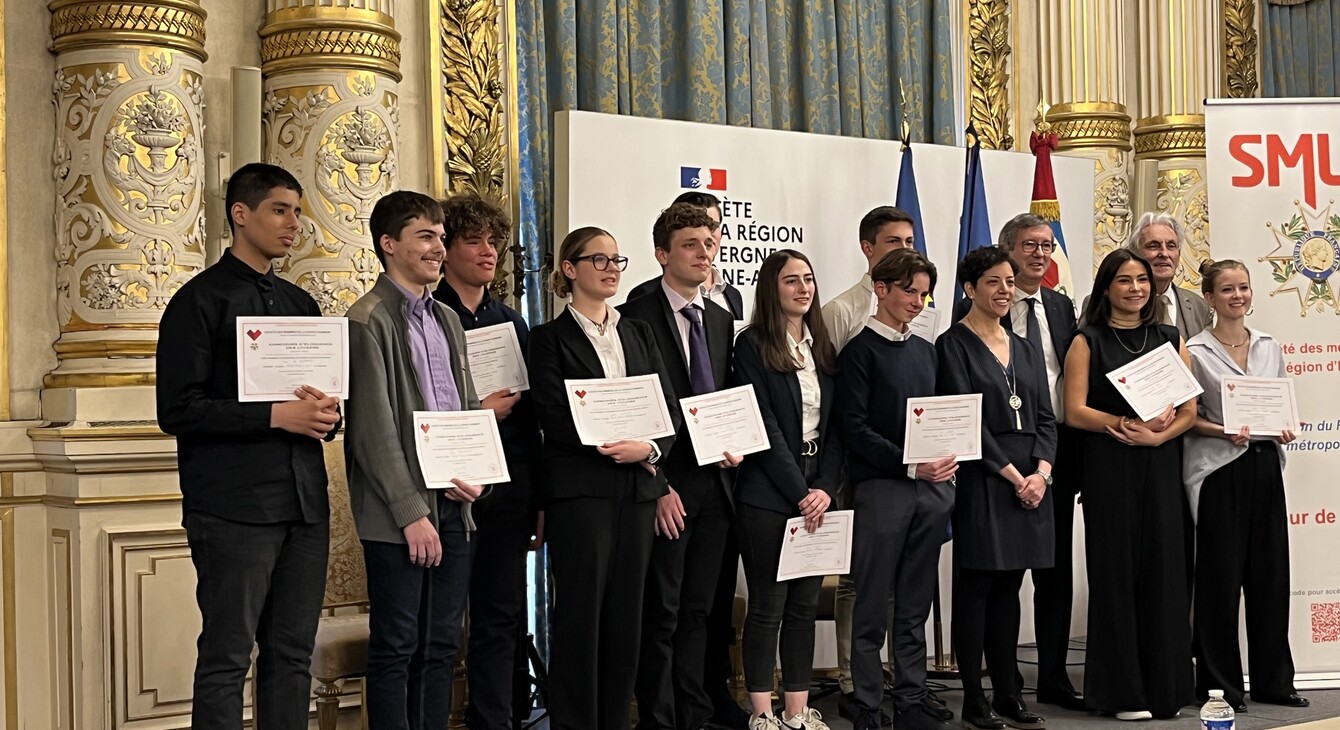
406,354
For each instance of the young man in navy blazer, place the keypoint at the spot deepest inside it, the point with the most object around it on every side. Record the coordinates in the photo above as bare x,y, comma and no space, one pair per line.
714,287
692,521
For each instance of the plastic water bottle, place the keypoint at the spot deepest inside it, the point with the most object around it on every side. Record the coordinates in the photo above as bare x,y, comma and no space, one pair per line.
1217,714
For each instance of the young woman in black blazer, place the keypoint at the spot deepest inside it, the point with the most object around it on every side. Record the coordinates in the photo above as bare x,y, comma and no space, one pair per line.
601,506
788,358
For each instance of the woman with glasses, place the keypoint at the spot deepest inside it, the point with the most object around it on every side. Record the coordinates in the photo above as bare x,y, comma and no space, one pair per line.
786,355
601,500
1138,660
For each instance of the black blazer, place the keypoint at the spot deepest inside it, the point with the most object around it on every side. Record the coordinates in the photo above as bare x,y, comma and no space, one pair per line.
681,465
773,479
559,350
733,297
1060,311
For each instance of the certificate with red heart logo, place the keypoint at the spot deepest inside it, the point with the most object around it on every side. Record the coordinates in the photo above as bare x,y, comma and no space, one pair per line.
277,355
727,421
618,409
461,445
942,426
1154,381
826,551
1266,406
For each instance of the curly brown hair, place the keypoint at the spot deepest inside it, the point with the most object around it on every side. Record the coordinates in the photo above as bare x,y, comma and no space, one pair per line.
677,216
468,214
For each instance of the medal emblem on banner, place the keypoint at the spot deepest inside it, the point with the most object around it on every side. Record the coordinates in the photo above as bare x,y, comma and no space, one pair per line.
1306,254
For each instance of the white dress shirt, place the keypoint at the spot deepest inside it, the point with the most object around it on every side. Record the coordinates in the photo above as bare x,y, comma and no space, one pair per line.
677,304
845,315
1019,323
893,335
1210,363
608,347
716,292
808,375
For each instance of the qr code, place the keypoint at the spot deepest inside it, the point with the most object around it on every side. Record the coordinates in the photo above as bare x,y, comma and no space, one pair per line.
1325,623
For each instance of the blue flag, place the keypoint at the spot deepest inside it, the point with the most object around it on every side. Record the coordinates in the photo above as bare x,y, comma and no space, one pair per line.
974,227
908,201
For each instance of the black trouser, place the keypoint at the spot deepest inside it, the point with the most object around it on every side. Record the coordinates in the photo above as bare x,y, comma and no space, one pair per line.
497,596
1243,548
986,621
1054,587
598,551
721,628
256,585
899,528
416,617
788,607
681,586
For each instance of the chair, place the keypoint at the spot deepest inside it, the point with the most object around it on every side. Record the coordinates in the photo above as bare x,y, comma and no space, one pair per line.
341,650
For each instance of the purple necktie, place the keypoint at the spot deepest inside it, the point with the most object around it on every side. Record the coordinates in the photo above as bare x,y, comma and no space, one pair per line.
700,364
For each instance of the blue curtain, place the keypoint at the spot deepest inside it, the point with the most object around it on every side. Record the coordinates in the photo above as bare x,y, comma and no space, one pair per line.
1301,49
824,66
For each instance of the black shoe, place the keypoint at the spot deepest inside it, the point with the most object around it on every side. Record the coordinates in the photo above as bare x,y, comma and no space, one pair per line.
1016,713
847,707
1290,700
731,716
978,715
937,708
917,717
867,720
1239,707
1065,698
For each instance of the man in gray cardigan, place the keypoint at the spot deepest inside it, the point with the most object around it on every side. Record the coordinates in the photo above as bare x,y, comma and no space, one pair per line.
407,353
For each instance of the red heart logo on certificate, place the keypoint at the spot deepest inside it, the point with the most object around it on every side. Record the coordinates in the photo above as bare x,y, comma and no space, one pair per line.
254,334
793,530
918,411
580,393
1232,387
424,427
693,411
1121,380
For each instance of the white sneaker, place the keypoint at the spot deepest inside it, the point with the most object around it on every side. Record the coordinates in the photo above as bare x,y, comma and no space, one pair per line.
1135,715
808,719
765,721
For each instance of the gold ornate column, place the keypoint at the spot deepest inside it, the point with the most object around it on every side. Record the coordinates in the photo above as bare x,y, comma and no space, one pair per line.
1083,74
332,118
472,67
1241,53
988,43
1179,42
129,186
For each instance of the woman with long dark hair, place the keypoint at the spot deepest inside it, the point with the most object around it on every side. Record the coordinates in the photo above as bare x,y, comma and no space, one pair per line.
1235,482
786,355
601,502
1138,660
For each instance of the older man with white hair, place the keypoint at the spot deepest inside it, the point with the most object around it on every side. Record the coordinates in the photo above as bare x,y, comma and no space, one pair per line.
1158,238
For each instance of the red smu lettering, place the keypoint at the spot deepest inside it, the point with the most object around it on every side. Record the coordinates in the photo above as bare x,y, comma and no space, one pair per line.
1266,166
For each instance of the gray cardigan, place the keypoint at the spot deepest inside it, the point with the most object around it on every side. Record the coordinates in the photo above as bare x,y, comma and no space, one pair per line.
386,487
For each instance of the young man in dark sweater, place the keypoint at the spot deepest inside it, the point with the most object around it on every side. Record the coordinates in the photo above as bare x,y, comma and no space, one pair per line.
901,510
253,475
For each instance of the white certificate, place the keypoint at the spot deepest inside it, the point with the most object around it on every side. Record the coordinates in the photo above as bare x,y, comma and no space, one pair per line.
826,551
926,325
727,420
1154,381
459,445
495,359
616,409
1265,405
942,425
276,355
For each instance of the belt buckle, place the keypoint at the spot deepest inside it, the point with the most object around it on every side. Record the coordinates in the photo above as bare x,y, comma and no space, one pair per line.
811,448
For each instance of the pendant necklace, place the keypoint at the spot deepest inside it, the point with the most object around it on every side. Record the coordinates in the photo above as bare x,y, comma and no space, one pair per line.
1015,402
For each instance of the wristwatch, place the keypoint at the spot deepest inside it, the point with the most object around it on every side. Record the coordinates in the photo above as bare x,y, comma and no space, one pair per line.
1046,477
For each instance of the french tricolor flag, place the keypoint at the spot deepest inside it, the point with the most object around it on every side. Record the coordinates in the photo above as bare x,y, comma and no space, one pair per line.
702,178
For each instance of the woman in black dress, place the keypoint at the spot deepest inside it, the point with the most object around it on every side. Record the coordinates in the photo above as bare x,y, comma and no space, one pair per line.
1138,661
1003,521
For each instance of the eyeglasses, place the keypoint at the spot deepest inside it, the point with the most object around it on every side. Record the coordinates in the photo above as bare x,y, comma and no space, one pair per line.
601,262
1043,246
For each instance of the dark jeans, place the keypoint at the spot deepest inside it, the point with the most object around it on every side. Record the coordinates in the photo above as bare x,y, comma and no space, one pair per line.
256,585
416,618
788,607
497,595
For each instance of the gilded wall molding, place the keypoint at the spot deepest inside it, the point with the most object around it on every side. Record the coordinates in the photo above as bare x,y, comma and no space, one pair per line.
1173,135
1083,125
475,146
324,38
988,74
1112,202
1240,49
1184,194
9,616
129,215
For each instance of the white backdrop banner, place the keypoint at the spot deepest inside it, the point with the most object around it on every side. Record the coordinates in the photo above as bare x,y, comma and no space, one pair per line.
1274,176
787,190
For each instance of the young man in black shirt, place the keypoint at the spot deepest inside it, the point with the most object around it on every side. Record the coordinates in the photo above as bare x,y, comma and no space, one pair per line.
253,475
474,229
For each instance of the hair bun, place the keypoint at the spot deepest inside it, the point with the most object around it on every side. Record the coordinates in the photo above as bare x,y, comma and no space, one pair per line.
1207,266
559,283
